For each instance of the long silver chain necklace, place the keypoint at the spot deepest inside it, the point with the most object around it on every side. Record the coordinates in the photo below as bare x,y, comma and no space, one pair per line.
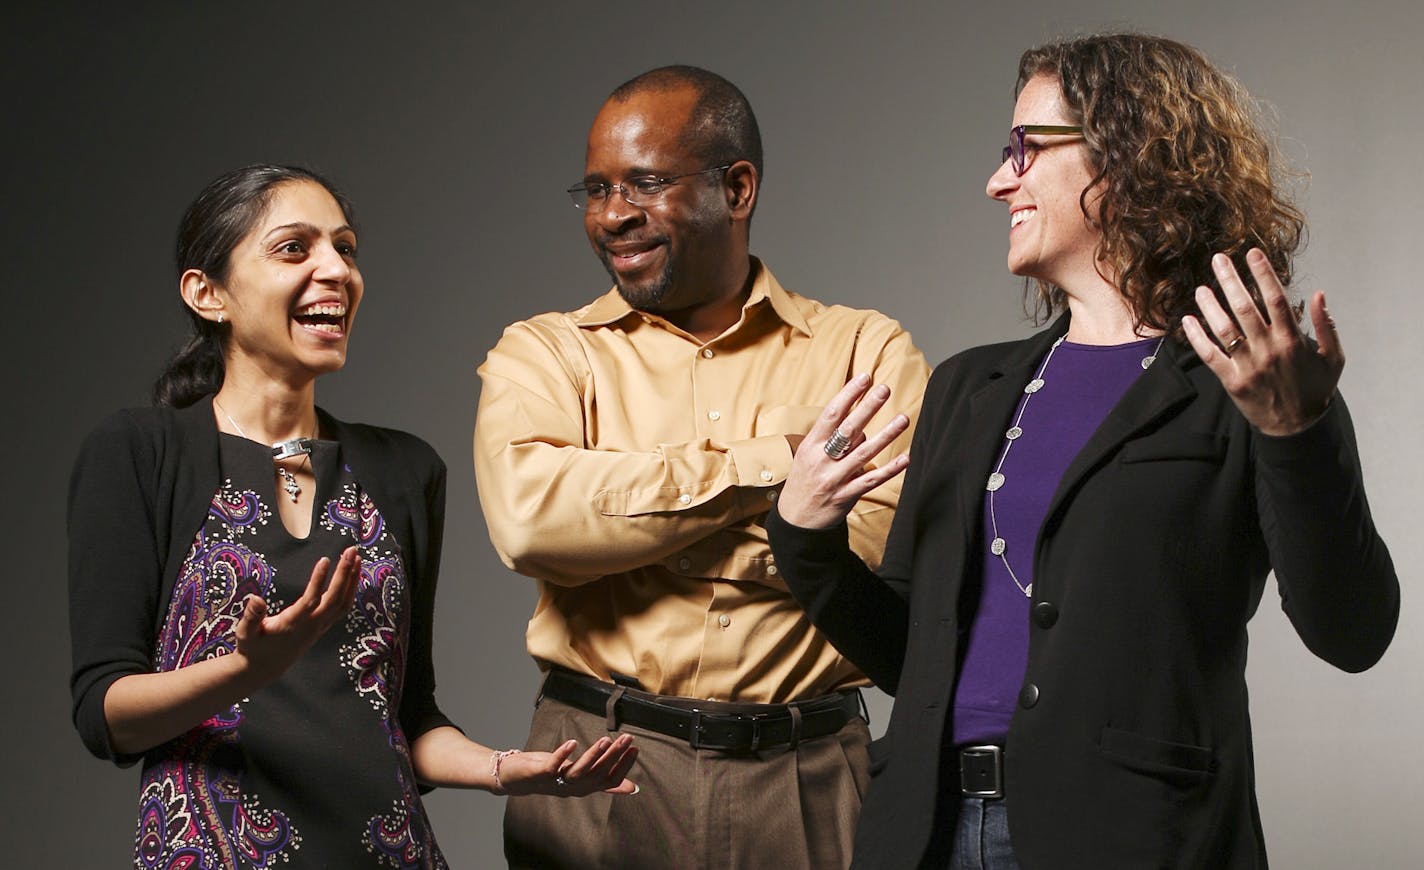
281,450
998,546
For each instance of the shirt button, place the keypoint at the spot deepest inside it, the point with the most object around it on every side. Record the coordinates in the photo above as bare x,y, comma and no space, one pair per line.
714,416
766,475
684,563
724,620
707,353
684,499
771,495
1045,614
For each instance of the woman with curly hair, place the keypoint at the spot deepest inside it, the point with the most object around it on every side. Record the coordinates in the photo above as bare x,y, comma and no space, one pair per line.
1090,514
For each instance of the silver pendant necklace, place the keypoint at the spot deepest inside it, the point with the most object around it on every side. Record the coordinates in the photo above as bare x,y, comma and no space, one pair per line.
281,450
998,546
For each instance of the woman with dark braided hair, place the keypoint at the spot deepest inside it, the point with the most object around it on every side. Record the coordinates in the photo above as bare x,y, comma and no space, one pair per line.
252,580
1090,514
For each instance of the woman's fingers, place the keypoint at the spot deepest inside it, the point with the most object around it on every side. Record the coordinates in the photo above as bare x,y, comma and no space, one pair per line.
1266,368
837,408
869,448
857,487
560,756
603,766
341,591
619,775
1244,311
1273,295
853,426
334,594
1214,357
580,766
1327,334
254,610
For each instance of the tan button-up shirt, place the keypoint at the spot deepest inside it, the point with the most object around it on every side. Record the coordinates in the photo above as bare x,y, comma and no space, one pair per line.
627,466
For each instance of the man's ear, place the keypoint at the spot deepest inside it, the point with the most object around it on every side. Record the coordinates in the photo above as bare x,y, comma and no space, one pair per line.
742,186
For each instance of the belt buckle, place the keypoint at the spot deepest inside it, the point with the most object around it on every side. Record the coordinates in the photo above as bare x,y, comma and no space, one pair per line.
695,730
995,757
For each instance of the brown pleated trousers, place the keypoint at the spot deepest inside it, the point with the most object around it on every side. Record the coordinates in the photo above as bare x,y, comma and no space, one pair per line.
787,809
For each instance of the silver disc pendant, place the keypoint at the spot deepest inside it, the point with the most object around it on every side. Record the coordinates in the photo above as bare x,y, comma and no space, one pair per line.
1028,591
996,480
1148,360
1013,433
998,546
1034,386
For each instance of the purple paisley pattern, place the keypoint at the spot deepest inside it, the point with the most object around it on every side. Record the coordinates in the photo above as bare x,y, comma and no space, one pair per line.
373,658
241,511
193,813
199,808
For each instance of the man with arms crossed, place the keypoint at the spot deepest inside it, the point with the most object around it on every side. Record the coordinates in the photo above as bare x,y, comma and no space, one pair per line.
626,454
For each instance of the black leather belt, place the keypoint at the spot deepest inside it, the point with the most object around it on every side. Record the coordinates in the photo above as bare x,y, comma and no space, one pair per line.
705,724
981,771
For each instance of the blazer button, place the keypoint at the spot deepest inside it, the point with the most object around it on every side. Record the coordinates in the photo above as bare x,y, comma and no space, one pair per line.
1045,614
1028,695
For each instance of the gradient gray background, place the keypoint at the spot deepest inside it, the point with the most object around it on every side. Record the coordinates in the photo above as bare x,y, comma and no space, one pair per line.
456,127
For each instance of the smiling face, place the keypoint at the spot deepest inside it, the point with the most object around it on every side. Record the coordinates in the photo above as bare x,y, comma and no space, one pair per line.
674,253
292,287
1049,236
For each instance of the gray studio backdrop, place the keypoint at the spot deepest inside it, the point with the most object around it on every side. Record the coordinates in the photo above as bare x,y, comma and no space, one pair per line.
456,127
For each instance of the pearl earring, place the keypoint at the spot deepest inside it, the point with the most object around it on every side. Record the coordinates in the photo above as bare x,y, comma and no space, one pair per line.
220,318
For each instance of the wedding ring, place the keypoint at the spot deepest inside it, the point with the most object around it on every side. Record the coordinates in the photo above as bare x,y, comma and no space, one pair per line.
1234,343
837,445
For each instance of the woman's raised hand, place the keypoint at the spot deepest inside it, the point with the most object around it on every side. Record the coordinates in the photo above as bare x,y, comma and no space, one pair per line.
272,643
1279,384
603,766
831,469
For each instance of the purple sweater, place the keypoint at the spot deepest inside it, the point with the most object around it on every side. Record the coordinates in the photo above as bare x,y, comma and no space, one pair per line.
1081,385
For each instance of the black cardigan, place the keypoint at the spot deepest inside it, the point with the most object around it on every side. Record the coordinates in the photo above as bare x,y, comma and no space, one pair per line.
1131,744
139,492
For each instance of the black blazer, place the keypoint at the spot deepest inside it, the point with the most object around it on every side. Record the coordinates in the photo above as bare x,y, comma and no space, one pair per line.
1131,746
140,490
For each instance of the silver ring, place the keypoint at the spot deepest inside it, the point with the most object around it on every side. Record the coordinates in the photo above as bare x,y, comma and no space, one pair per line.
838,445
559,780
1234,343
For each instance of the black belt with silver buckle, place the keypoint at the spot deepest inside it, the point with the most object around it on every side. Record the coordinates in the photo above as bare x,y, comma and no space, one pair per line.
981,771
705,724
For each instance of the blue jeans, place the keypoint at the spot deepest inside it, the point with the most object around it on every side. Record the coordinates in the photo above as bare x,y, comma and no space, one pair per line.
981,839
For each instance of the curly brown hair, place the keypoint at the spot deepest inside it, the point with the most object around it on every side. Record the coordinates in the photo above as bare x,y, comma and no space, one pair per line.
1185,169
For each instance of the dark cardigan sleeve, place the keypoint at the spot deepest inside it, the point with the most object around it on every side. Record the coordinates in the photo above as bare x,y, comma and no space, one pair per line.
1337,582
419,712
864,615
115,569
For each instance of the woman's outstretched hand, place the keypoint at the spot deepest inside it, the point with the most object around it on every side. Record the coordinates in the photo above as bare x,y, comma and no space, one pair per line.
831,469
603,766
270,644
1276,380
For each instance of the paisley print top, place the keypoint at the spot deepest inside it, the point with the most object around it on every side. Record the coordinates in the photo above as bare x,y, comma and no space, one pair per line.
312,770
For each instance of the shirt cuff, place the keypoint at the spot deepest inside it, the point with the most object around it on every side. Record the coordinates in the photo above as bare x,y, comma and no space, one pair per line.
760,462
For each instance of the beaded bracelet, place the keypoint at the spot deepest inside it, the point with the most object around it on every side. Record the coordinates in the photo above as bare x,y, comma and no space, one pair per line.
495,759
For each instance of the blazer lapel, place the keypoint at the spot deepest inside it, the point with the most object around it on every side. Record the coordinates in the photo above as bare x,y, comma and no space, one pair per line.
991,407
1163,387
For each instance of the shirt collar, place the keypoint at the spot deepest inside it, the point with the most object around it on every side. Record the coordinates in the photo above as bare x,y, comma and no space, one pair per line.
611,307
